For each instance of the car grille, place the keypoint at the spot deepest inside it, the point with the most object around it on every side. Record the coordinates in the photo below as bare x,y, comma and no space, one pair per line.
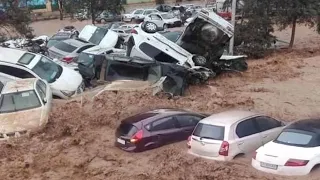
54,55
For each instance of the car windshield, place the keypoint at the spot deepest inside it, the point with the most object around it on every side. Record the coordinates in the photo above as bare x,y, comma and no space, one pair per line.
98,35
209,131
53,42
19,101
85,59
138,12
167,16
65,47
47,69
297,138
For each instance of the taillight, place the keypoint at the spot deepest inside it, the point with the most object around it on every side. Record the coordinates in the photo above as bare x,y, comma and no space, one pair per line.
296,162
134,31
254,155
67,59
224,149
189,142
137,137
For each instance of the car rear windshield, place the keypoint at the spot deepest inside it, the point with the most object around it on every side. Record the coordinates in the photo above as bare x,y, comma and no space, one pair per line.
126,129
299,138
65,47
98,35
209,131
19,101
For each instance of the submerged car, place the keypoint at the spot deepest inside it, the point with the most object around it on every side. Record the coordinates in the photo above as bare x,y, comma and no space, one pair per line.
226,135
202,43
172,79
295,152
155,128
68,50
69,29
63,81
106,16
25,105
163,20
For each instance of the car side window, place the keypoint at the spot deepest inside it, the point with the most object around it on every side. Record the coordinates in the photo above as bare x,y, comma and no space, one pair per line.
16,72
267,123
155,17
163,124
246,128
41,91
188,120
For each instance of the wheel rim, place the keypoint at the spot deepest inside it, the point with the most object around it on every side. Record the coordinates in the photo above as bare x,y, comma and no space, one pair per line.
151,27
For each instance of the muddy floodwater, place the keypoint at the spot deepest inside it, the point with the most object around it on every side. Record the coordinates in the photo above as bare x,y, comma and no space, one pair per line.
78,141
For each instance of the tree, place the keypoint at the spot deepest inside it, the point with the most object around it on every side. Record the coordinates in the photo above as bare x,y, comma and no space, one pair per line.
14,20
293,12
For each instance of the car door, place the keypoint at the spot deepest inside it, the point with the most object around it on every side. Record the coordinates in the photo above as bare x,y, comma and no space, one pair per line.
249,138
155,18
166,130
187,123
269,128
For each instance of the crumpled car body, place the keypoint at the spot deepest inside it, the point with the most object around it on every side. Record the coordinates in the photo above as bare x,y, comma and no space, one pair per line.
170,78
206,35
24,106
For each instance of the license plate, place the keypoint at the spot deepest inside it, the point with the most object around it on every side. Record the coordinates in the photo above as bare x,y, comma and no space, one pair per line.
121,141
269,166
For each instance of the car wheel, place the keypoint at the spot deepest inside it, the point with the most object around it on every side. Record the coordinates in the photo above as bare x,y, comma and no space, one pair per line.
199,60
150,27
103,21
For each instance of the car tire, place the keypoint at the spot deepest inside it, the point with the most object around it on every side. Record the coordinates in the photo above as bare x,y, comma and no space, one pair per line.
150,27
199,60
103,21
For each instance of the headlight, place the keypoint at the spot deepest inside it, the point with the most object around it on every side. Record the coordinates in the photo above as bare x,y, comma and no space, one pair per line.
68,93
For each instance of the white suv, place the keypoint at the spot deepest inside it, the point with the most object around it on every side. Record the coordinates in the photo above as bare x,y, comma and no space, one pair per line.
226,135
20,64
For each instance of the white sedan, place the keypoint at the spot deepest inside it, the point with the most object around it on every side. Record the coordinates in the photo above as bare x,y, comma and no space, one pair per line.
163,20
296,151
25,105
130,16
226,135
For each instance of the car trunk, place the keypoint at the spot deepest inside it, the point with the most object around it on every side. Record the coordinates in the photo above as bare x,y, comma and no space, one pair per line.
207,139
279,154
124,133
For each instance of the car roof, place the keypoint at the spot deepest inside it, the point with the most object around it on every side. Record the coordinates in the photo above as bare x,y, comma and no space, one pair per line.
150,116
228,118
310,125
77,42
11,55
18,85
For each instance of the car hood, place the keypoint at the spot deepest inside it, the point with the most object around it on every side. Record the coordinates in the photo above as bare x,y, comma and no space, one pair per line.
20,121
206,34
69,80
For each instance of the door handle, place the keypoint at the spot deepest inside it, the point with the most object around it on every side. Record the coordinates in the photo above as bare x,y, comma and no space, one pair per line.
240,143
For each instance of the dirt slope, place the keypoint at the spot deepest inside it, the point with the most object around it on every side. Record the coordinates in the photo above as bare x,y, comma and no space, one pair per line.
78,141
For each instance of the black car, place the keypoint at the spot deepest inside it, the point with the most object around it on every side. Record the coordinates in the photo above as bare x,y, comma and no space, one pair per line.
155,128
106,16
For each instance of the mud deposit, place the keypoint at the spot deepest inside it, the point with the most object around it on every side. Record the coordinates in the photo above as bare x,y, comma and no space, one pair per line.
78,141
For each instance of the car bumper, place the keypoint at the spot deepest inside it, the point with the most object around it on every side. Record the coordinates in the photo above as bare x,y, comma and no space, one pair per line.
127,147
218,158
282,170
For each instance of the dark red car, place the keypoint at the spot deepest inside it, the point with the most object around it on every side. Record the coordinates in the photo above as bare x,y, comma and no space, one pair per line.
155,128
